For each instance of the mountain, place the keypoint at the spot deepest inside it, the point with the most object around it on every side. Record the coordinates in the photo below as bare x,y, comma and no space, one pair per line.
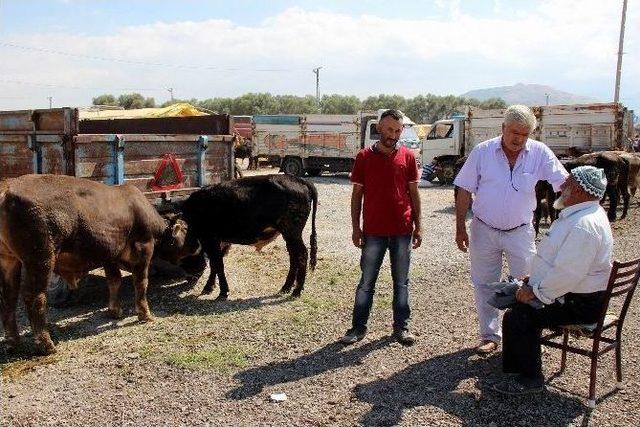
529,94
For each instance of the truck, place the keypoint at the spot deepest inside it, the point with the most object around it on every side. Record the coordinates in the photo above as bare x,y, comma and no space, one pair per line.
313,143
566,129
166,158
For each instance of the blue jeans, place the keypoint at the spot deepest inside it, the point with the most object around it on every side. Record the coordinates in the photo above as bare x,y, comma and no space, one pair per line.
370,262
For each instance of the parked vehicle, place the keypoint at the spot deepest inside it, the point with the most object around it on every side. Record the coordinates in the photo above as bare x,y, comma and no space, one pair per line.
243,126
314,143
167,158
566,129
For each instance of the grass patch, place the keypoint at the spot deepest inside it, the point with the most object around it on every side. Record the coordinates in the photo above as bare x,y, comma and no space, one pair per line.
20,368
314,302
382,302
221,359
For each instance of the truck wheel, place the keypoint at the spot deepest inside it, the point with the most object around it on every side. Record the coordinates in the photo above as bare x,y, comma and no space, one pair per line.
292,166
314,171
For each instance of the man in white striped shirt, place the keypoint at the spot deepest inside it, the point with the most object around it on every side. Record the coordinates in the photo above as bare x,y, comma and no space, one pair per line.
502,174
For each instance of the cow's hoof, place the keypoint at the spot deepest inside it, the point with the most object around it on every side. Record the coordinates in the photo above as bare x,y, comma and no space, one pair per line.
114,313
221,298
45,347
145,318
206,291
285,290
296,294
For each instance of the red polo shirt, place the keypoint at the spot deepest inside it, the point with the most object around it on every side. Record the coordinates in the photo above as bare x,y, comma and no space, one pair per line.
386,178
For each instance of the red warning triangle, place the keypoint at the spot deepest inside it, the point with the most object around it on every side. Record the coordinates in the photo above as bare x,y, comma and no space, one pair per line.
168,176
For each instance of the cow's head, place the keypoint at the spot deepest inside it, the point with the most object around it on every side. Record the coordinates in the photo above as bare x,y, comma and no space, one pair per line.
177,242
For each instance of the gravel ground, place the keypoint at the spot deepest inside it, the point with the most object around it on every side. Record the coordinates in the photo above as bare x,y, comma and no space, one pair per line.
217,363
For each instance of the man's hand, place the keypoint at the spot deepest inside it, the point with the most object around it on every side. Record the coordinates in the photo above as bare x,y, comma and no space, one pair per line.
417,238
357,237
525,294
462,239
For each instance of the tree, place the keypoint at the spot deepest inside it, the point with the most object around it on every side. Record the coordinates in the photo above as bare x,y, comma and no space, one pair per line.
340,104
491,103
105,99
290,104
374,103
131,101
422,108
149,103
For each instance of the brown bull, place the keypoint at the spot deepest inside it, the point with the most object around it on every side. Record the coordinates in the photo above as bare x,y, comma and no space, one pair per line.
70,226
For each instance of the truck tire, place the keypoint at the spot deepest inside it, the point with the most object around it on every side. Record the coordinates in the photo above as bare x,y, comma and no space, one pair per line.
314,171
292,166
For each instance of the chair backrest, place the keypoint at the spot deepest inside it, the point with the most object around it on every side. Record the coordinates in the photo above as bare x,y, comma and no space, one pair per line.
622,283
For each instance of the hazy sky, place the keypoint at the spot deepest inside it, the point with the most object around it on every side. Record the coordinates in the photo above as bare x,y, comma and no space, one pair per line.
73,50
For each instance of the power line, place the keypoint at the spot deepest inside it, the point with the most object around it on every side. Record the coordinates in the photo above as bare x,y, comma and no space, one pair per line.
143,63
58,86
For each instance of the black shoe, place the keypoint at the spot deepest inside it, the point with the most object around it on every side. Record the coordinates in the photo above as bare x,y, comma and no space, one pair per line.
404,337
353,336
518,385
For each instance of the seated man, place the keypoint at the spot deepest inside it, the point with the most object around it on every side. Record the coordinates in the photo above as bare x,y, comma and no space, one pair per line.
569,274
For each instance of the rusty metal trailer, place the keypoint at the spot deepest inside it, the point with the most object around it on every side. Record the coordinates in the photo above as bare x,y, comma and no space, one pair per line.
56,141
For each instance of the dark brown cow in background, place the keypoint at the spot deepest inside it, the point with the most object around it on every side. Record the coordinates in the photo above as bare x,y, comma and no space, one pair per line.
70,226
250,211
545,197
616,169
633,160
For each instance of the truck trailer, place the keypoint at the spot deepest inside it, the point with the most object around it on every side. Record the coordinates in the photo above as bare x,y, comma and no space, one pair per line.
313,143
566,129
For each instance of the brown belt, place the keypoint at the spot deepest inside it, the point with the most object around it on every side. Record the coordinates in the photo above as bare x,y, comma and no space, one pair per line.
499,229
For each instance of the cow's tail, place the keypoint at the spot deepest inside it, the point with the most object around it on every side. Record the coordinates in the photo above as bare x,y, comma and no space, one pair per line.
313,241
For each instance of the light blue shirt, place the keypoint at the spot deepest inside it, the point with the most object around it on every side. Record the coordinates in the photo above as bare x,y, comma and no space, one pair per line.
575,256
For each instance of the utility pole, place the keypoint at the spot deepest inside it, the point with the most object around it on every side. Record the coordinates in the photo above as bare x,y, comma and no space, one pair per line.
316,71
171,92
50,98
616,97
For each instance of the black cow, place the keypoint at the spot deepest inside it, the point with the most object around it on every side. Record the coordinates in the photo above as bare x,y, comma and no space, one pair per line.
251,211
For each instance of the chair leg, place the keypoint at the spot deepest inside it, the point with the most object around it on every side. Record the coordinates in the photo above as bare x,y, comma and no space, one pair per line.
618,365
563,359
591,403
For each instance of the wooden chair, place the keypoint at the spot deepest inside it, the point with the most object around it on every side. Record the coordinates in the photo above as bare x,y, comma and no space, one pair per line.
622,283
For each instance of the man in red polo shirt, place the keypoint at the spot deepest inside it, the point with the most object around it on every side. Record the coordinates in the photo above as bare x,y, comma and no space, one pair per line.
386,176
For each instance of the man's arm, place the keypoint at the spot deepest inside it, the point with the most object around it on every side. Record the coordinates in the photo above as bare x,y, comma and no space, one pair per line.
553,171
356,209
463,200
416,212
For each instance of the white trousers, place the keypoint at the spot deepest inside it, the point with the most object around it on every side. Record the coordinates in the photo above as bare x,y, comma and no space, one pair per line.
486,247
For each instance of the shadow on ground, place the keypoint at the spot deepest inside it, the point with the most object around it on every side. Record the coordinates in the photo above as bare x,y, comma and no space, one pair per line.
168,294
330,357
436,383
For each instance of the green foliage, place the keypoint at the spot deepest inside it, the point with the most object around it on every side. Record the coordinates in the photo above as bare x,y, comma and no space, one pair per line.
131,101
340,104
422,108
105,99
222,359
